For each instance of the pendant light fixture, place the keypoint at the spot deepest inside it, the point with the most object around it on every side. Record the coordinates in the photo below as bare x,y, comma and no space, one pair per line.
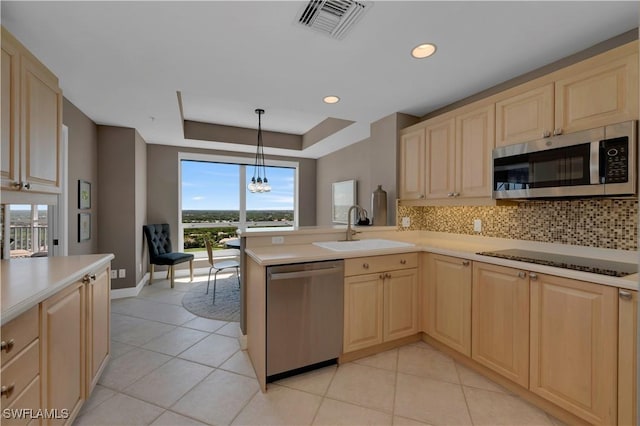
258,184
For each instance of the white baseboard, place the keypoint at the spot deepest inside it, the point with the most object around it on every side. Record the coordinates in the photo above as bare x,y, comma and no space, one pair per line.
120,293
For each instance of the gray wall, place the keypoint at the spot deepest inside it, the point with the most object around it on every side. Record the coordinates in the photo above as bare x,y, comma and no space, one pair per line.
82,165
163,181
122,197
371,162
140,205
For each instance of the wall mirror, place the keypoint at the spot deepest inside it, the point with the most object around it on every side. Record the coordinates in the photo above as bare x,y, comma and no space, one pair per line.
344,195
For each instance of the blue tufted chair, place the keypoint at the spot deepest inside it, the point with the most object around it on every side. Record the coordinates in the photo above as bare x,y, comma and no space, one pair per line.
160,250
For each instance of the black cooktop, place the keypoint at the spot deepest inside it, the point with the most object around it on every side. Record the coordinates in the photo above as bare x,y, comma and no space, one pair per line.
595,266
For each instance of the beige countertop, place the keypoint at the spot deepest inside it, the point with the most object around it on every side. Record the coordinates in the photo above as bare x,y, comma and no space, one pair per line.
452,245
27,282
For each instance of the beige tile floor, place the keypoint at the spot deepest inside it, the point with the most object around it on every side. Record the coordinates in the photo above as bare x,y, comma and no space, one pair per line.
169,367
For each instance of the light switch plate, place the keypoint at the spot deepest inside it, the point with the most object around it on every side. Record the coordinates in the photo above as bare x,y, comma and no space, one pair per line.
406,222
114,273
477,225
277,240
122,273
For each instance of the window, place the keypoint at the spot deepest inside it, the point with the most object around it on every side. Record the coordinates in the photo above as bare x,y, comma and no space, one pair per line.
215,202
27,229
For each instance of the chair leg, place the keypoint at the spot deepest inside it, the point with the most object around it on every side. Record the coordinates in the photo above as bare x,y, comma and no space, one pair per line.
191,270
151,277
238,276
173,273
169,271
209,280
215,280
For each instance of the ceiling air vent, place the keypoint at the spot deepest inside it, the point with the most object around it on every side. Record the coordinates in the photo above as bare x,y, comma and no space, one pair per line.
333,17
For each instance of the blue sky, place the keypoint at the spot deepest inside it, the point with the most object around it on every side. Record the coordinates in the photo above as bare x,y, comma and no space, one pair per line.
214,186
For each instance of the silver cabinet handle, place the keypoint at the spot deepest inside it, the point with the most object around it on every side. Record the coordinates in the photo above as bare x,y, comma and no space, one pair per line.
465,263
450,194
557,131
546,134
26,185
522,274
387,275
7,346
533,276
381,276
7,390
456,194
421,196
16,185
403,262
303,274
88,278
625,295
365,265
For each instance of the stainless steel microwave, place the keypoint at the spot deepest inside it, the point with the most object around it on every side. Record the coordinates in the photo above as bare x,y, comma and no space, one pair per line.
596,162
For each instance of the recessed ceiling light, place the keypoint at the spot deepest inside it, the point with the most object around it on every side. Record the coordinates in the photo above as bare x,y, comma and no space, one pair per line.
331,99
423,50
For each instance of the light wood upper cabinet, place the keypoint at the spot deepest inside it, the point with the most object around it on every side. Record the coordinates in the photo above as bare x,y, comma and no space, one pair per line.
500,320
475,140
574,330
599,92
64,351
440,161
627,357
412,162
32,123
98,333
526,116
10,154
447,301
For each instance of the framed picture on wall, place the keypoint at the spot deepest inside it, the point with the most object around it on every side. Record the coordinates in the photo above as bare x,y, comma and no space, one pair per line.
84,227
343,196
84,195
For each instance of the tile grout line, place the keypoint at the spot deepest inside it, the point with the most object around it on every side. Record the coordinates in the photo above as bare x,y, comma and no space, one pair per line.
323,397
395,386
464,395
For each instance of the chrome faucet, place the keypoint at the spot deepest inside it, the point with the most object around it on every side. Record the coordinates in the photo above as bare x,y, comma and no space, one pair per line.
351,232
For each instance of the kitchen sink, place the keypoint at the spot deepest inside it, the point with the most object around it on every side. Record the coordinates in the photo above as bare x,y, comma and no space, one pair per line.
357,245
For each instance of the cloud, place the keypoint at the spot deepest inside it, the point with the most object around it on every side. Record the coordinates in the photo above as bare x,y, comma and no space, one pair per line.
198,198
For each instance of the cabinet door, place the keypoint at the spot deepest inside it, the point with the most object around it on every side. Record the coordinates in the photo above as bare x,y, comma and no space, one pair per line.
448,301
601,94
525,117
412,161
628,357
363,309
440,145
400,304
41,127
500,320
574,331
10,154
98,335
475,140
63,350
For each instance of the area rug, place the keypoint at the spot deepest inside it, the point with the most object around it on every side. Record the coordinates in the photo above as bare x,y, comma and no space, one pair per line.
227,306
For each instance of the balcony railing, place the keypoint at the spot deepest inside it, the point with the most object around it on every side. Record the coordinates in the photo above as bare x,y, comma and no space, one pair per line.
26,240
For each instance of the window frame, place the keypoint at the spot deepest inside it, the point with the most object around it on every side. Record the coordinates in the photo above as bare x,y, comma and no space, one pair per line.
244,163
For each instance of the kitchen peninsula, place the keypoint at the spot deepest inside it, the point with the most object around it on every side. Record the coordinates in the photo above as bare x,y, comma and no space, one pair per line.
460,299
55,331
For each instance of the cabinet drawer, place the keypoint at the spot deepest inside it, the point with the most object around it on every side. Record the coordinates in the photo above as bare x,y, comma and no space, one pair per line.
17,334
374,264
28,399
20,371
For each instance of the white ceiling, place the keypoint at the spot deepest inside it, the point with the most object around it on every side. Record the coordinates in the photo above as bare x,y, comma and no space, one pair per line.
122,63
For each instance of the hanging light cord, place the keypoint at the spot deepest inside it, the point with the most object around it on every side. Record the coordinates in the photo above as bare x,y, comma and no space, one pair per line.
257,183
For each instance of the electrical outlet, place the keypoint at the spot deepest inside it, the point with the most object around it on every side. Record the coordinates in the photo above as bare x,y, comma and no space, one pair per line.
114,274
122,273
277,240
406,222
477,225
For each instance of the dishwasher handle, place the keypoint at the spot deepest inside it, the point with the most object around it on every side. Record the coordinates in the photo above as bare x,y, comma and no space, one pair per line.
303,274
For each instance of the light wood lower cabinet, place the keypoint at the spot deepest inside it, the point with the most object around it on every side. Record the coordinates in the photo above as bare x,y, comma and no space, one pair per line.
447,301
98,327
64,350
382,305
627,357
574,329
500,320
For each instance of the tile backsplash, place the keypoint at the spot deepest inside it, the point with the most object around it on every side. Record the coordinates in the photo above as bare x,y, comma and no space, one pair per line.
601,223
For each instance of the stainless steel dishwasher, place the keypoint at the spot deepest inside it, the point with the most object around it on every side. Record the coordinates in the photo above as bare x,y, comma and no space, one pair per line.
304,316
